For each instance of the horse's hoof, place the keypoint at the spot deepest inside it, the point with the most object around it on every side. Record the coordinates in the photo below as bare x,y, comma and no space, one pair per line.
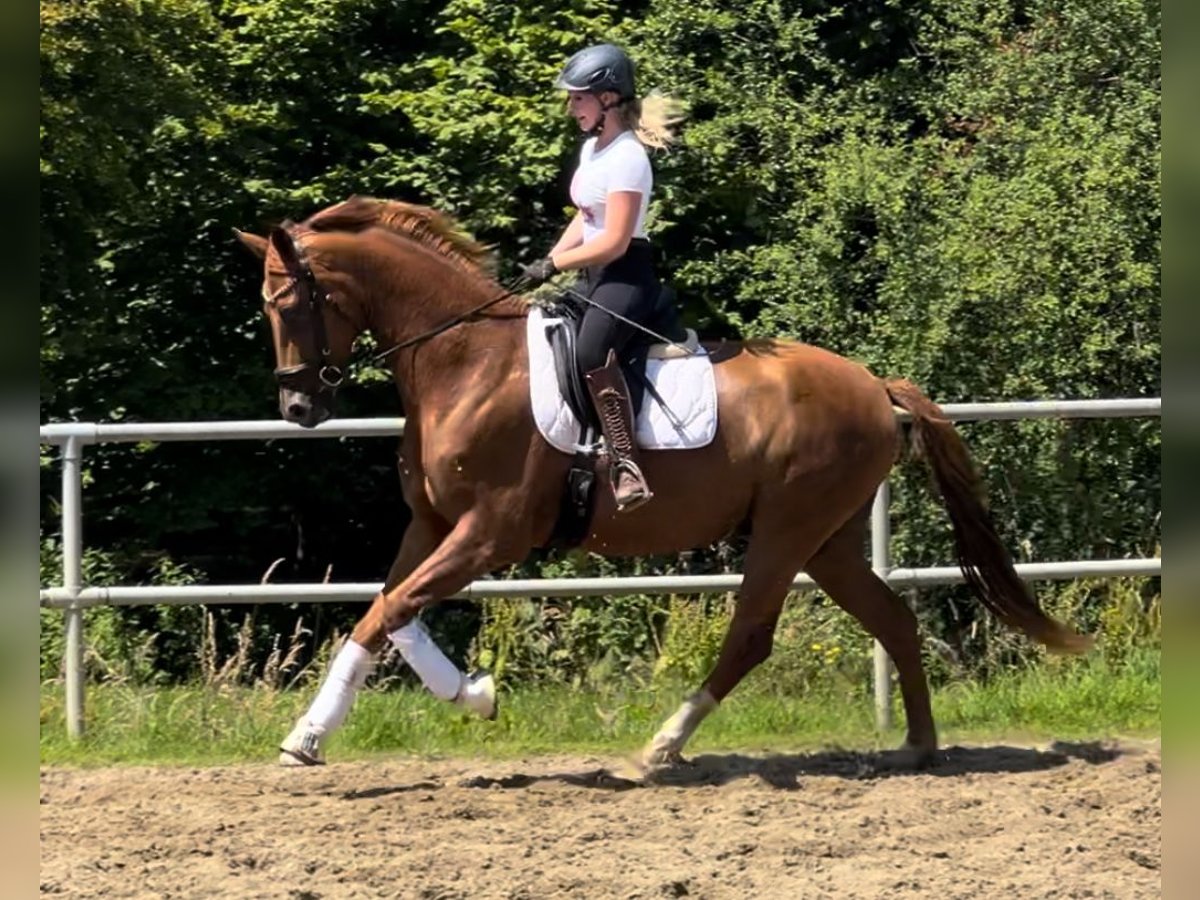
478,694
295,760
302,747
913,757
657,758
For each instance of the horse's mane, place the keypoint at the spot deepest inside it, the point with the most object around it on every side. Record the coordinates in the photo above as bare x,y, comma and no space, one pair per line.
435,230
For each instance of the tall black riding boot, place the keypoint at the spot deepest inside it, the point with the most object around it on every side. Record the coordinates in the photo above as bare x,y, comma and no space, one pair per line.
610,394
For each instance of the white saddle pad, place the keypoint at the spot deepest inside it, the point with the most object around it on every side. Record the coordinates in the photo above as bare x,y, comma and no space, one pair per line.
686,385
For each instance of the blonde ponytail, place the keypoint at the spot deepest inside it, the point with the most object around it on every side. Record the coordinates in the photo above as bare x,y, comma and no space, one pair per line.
653,119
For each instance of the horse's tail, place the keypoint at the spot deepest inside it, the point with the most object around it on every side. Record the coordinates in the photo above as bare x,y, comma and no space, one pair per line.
985,562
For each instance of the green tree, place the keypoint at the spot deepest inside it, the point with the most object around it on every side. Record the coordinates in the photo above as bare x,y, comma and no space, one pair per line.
964,193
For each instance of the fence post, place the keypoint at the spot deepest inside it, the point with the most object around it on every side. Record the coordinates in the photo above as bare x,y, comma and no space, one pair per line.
881,563
72,562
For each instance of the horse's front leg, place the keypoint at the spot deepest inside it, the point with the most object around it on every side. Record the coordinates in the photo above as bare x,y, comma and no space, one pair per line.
352,665
468,551
473,548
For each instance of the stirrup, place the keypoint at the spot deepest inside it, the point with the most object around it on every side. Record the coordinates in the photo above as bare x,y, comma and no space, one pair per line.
644,494
302,747
478,694
636,503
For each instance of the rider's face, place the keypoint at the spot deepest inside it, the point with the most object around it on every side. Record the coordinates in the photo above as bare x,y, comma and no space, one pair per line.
584,108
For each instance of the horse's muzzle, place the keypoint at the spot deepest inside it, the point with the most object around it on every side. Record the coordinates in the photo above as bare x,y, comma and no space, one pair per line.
304,409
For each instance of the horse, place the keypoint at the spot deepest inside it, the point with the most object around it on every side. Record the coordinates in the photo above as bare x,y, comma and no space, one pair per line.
804,438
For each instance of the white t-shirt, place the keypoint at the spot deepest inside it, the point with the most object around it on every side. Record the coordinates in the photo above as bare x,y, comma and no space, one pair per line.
621,166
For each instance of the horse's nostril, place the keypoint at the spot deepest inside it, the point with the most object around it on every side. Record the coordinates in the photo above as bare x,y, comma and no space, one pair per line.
297,410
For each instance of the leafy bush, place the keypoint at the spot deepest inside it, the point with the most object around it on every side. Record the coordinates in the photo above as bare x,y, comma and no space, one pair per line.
964,193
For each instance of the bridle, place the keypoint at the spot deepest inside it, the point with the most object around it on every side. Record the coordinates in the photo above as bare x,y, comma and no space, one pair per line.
311,301
310,304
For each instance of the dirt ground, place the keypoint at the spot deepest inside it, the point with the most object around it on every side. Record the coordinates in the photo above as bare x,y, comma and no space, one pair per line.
1069,820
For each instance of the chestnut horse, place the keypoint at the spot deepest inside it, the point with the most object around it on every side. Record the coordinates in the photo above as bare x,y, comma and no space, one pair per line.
804,439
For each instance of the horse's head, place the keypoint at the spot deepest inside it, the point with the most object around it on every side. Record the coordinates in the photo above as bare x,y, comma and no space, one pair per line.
408,272
312,334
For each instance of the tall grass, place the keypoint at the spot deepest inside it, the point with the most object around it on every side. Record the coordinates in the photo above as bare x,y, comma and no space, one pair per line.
602,678
213,725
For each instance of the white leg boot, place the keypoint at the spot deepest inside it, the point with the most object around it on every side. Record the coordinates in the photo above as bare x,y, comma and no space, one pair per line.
476,693
347,674
666,746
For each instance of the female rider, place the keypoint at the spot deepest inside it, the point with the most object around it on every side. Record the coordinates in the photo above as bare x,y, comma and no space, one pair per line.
606,239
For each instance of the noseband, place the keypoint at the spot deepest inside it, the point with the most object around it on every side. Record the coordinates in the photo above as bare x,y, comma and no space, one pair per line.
310,305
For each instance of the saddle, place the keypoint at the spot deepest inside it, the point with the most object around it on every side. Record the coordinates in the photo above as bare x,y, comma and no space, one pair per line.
578,497
663,320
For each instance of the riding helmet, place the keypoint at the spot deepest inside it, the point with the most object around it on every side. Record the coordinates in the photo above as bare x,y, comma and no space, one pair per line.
604,67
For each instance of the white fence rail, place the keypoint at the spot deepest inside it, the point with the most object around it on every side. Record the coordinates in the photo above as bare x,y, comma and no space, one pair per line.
73,597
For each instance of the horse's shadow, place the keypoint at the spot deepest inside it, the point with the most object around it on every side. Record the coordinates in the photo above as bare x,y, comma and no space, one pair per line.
784,771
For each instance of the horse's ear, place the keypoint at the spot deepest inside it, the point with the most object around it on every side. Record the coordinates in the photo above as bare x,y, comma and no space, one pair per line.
252,242
285,248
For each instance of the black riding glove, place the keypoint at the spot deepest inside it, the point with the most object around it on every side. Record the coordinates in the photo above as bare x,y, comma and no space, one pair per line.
541,271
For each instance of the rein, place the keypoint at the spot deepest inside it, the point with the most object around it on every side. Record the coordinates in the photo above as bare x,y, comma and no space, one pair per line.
510,292
329,375
445,326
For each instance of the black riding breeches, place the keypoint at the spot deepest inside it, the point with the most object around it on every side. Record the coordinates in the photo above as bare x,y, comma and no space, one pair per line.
629,287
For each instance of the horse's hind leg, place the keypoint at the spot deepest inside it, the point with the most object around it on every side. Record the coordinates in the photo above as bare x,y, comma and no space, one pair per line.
842,571
774,557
